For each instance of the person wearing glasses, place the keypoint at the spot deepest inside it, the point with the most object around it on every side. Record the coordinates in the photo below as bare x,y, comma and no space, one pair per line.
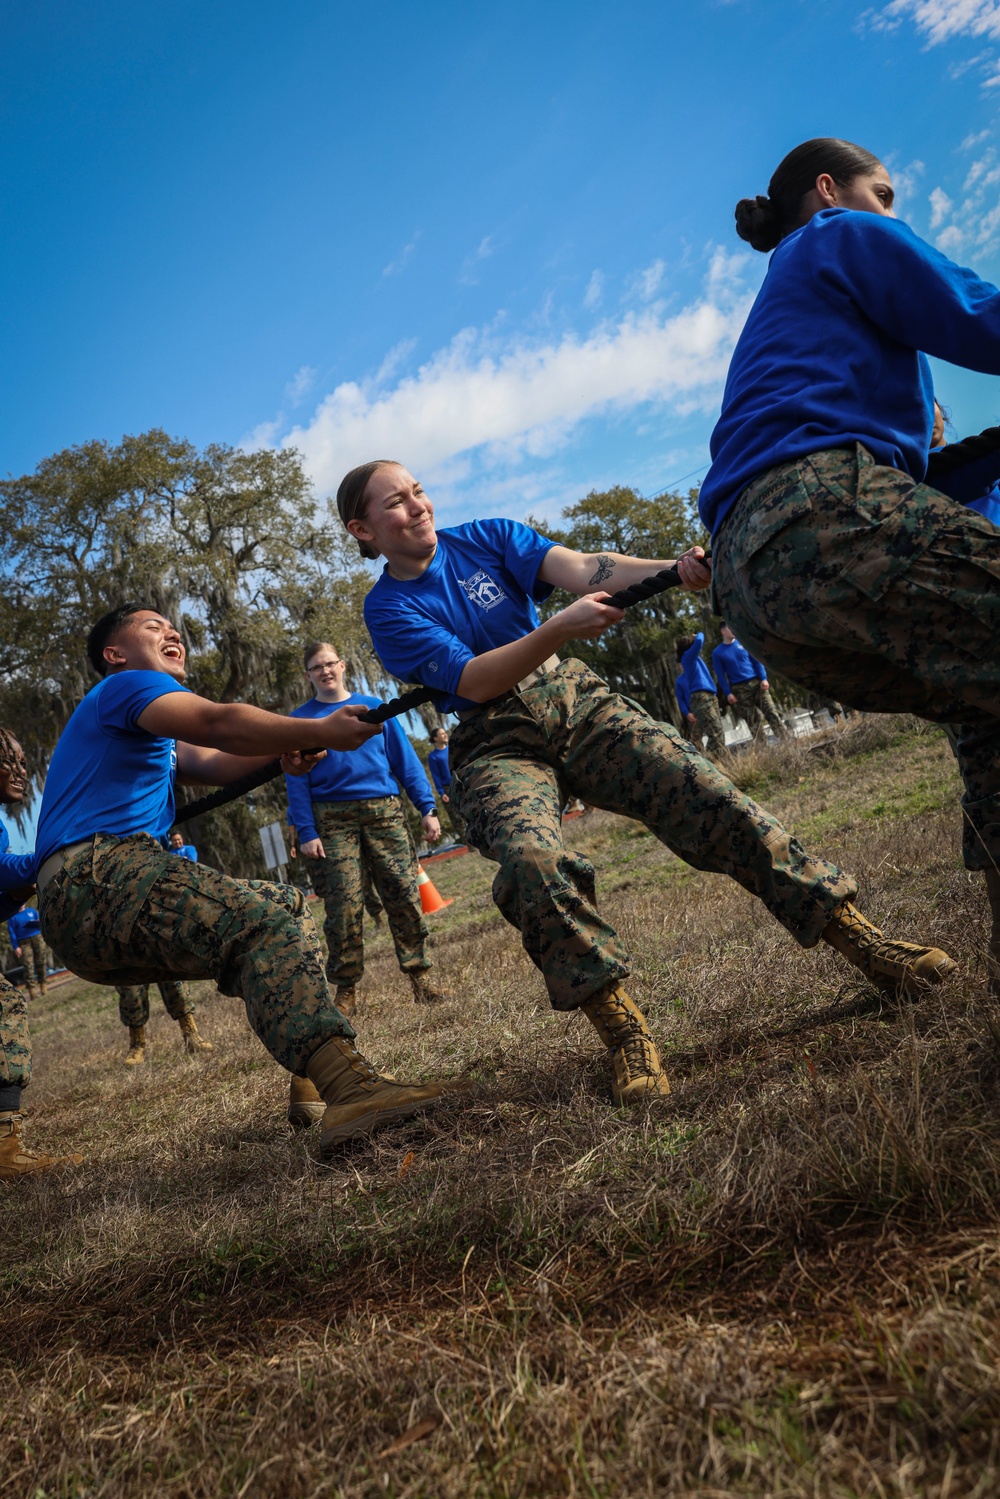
348,814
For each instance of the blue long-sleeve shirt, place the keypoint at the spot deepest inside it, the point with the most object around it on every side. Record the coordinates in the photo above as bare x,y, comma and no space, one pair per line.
694,674
358,775
733,664
22,925
831,352
16,871
437,764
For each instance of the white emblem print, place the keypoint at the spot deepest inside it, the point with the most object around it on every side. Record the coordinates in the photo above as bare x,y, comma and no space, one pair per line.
482,590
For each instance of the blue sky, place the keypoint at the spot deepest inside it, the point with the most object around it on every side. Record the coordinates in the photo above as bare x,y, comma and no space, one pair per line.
494,240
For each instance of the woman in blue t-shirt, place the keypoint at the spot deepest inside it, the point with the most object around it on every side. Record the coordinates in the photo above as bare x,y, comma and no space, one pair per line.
832,560
455,610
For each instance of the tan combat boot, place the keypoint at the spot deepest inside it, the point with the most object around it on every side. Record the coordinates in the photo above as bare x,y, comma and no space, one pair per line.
900,968
17,1159
305,1107
638,1073
424,991
346,999
193,1042
359,1100
136,1045
992,878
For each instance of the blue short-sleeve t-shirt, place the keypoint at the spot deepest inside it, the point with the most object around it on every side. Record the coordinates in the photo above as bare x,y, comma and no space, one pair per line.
108,775
479,592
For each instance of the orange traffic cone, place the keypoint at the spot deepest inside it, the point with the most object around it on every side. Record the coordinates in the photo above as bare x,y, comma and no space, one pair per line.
429,899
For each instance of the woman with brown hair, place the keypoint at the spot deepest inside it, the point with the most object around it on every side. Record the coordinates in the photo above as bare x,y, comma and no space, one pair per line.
455,610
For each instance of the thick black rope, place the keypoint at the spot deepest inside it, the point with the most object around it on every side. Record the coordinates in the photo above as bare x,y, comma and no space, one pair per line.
958,454
648,588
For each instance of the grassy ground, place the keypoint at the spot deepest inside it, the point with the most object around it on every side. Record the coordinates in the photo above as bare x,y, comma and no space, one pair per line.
784,1280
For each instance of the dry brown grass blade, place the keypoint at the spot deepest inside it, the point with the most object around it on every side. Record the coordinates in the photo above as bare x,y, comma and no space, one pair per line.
412,1434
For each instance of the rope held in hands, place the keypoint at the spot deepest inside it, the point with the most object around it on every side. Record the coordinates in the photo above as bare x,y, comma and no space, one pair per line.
647,588
957,454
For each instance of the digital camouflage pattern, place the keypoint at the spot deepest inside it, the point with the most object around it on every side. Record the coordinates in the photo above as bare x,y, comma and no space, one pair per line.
516,763
35,960
133,1001
755,704
372,834
316,869
15,1042
124,911
861,585
708,723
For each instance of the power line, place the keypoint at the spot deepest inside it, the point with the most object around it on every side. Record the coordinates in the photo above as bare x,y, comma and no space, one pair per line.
674,482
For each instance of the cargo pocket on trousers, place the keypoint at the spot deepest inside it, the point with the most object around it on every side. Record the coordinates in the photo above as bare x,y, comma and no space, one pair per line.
904,534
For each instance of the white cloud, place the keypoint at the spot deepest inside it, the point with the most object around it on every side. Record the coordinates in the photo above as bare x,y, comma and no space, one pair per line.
482,252
972,223
300,384
941,20
509,398
402,260
972,141
595,290
940,207
944,21
647,282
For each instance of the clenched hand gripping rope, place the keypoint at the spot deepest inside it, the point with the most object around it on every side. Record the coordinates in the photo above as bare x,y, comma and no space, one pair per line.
648,588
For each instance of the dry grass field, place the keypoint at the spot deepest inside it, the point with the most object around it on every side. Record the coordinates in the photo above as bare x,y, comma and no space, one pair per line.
783,1280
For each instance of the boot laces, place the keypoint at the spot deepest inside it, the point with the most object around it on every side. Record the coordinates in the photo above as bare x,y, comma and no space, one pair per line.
871,942
636,1052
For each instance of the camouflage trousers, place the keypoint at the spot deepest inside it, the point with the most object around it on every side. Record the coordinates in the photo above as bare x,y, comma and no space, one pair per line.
755,704
448,812
517,761
124,911
317,878
708,722
861,585
371,834
15,1042
133,1001
35,960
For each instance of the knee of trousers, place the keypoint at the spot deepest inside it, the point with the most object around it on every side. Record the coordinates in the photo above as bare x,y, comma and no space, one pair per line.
532,875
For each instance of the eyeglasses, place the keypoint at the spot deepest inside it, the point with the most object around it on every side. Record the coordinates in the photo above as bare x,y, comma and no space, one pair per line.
324,665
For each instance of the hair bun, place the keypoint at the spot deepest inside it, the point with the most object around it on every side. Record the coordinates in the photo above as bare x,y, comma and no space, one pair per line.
758,222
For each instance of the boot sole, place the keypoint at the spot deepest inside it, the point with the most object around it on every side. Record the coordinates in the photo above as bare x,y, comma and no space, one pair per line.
366,1124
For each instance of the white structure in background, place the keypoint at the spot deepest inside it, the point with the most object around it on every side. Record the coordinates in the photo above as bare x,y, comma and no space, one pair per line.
272,839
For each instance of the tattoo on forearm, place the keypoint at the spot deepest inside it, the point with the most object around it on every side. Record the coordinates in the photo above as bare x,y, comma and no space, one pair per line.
605,567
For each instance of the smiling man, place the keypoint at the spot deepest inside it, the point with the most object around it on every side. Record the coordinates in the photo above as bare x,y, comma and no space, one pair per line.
120,908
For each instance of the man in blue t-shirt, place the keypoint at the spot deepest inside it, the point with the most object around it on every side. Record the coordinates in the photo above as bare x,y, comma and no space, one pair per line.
24,930
349,819
16,883
696,696
744,681
440,770
185,850
119,908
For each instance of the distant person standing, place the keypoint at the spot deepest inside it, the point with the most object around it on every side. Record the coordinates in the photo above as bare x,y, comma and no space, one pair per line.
178,846
696,696
347,812
437,764
133,1012
16,882
25,932
744,681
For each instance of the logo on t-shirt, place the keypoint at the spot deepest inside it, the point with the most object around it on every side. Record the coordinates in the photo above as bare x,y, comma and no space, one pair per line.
482,590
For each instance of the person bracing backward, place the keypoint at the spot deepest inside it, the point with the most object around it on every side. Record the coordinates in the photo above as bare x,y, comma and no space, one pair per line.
697,696
455,610
121,909
16,884
832,560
